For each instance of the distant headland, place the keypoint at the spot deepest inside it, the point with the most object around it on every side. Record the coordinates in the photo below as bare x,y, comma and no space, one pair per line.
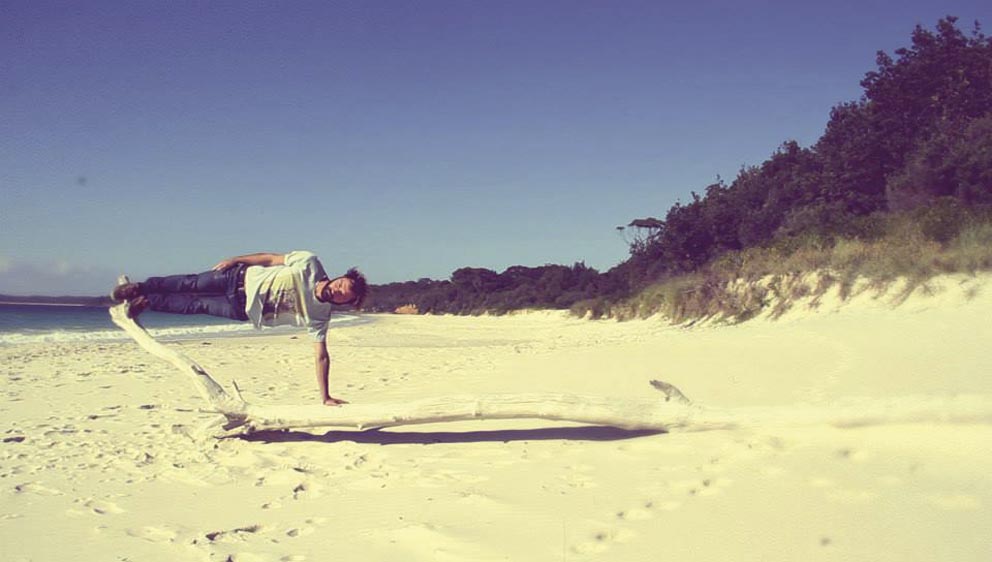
55,301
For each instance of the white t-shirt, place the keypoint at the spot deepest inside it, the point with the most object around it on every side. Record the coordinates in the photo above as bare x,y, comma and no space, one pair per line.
284,294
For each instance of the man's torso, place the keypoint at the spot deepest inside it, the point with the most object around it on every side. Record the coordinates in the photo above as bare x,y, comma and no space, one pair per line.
284,294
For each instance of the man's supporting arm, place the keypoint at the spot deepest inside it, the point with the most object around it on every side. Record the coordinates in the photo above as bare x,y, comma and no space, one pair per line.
323,363
264,259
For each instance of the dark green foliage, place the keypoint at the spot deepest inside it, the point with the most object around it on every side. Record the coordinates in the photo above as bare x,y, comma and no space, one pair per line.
477,290
945,76
939,84
850,155
955,162
941,221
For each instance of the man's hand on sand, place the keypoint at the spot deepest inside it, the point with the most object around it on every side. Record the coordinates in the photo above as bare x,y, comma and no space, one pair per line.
331,401
225,265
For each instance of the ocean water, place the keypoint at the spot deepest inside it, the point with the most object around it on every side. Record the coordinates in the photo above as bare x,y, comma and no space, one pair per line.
22,323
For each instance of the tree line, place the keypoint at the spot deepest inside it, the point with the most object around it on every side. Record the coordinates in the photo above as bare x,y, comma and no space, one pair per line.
473,290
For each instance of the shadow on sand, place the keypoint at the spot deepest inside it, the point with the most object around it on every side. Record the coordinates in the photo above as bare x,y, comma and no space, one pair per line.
379,437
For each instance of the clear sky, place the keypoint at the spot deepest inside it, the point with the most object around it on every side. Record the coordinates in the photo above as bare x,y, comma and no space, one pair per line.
406,138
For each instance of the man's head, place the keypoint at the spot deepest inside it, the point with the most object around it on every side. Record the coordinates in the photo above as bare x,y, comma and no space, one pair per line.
350,288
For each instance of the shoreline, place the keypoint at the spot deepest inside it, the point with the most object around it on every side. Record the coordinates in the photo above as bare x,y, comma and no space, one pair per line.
109,333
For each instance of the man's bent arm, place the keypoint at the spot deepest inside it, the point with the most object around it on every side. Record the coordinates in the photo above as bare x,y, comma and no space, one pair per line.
264,259
323,363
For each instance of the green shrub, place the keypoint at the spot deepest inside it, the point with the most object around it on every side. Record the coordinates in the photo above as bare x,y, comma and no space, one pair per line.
941,221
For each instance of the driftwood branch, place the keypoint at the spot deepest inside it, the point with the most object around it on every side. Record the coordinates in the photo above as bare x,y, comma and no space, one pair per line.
671,411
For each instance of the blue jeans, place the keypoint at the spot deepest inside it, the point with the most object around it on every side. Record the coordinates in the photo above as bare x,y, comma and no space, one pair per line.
217,293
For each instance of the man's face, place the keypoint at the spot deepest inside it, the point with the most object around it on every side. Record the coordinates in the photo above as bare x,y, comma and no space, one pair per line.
339,291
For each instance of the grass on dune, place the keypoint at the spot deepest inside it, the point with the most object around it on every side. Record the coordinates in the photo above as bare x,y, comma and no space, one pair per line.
912,248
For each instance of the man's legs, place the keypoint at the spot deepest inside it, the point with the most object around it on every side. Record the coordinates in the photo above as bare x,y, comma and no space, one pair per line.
217,293
208,283
190,303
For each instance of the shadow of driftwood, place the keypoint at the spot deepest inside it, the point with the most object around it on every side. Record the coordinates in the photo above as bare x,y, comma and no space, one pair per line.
378,437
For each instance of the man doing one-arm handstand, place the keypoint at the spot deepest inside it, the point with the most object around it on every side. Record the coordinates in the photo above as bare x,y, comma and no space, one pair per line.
267,289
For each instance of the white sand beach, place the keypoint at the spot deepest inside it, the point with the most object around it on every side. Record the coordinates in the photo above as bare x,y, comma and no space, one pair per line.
101,457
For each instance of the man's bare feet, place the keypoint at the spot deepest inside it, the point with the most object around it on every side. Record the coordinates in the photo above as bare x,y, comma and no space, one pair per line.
136,306
331,401
125,291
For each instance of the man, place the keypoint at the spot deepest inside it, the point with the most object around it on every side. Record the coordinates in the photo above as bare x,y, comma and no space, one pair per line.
267,289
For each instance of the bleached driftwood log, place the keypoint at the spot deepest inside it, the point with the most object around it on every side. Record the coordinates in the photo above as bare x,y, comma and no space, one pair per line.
671,412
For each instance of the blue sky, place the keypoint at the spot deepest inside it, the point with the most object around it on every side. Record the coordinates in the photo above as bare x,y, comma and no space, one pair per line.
405,138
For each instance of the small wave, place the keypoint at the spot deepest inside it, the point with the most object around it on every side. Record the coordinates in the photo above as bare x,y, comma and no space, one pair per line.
64,336
166,333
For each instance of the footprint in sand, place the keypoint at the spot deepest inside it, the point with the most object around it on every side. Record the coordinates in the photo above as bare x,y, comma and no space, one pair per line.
153,534
279,477
36,488
635,513
102,507
299,531
577,477
309,526
358,462
701,487
230,536
307,491
853,455
602,540
647,509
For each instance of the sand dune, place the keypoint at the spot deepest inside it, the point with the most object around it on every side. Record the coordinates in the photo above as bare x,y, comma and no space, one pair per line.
103,455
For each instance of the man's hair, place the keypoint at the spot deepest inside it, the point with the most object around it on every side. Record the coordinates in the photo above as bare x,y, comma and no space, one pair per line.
358,286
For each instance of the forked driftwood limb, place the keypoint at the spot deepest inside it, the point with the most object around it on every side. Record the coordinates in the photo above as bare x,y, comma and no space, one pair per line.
671,412
663,413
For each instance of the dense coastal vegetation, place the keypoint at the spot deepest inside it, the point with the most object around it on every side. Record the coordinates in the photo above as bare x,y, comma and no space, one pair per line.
898,186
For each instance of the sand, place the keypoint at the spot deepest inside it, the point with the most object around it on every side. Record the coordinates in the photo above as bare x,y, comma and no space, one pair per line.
102,457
